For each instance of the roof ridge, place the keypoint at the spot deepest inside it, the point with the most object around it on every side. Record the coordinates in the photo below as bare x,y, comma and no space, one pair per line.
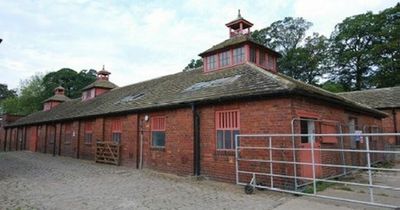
370,90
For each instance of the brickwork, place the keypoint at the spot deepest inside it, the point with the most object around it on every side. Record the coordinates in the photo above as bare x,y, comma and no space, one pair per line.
256,117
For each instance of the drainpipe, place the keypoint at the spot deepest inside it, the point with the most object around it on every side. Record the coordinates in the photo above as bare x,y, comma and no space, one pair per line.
54,140
395,125
196,143
137,141
78,140
5,139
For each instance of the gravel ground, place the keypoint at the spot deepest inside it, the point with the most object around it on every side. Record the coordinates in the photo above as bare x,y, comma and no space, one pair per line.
39,181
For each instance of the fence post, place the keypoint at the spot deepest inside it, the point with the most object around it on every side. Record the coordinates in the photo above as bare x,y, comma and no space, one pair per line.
313,164
236,158
371,190
270,162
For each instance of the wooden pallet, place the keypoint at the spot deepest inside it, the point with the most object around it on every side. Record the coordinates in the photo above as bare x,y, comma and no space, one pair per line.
107,152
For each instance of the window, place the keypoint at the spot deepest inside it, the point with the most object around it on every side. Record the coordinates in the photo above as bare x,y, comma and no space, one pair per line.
89,94
262,58
68,134
88,132
227,127
225,59
116,128
253,54
271,62
307,126
47,106
238,55
158,131
211,62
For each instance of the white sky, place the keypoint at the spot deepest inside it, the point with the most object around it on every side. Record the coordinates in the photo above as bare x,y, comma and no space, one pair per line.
140,40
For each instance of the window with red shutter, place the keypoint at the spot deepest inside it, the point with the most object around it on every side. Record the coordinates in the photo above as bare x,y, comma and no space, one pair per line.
88,132
158,131
227,127
116,128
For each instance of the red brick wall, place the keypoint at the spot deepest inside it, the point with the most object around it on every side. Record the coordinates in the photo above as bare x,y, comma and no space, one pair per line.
388,123
257,117
177,156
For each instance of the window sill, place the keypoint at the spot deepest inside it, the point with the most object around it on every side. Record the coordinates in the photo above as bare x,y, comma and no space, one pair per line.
157,148
225,152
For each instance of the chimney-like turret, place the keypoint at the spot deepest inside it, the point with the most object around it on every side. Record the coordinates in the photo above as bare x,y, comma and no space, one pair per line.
56,99
98,87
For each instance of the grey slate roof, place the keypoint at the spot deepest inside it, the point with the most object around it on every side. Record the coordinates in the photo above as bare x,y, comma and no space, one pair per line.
101,84
376,98
241,81
237,40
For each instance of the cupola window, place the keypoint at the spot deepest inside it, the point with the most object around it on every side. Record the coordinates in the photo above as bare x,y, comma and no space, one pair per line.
238,55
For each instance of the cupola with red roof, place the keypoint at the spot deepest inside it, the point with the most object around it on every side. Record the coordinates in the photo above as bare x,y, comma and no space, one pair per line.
238,49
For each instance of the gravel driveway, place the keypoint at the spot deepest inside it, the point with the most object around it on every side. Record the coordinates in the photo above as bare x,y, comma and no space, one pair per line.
40,181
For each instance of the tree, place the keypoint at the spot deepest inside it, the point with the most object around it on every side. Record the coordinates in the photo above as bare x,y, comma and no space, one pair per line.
30,97
283,35
333,87
72,81
386,49
194,64
352,44
308,62
5,92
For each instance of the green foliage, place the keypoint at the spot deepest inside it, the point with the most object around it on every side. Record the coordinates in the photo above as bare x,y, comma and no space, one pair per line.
321,186
308,62
72,81
283,35
365,50
36,89
29,99
194,64
333,87
5,92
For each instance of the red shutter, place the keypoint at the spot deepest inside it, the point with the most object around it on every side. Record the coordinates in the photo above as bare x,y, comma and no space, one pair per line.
227,120
68,128
88,126
116,126
158,124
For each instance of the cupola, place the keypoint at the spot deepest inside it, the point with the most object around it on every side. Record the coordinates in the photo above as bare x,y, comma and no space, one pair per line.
58,98
238,49
98,87
239,26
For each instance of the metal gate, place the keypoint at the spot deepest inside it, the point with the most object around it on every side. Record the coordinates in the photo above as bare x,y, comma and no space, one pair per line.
271,161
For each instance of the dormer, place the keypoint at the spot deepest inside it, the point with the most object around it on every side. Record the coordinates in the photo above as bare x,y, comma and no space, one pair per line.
100,86
238,49
58,98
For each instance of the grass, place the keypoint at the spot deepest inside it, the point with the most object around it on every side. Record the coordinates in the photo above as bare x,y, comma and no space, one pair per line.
321,186
384,164
344,187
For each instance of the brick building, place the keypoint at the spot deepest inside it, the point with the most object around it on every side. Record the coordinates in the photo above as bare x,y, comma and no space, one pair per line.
384,99
185,123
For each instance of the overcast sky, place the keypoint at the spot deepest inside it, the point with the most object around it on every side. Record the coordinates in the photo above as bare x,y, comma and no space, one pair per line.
139,40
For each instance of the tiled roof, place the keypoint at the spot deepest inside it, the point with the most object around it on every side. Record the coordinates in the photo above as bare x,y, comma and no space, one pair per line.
181,89
376,98
101,84
237,40
61,98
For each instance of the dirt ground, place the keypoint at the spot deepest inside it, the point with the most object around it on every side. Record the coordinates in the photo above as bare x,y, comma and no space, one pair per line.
40,181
